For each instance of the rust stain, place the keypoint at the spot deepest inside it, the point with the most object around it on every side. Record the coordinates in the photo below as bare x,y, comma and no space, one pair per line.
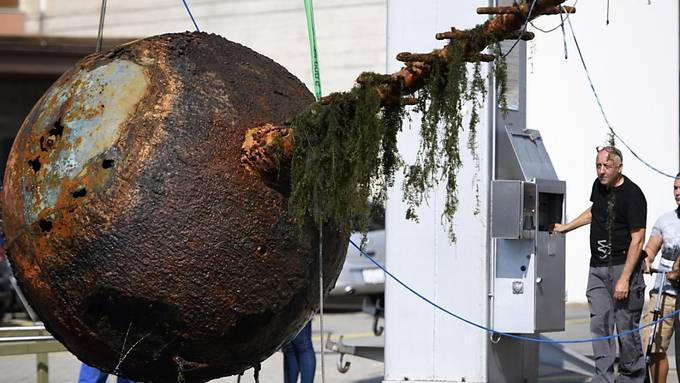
266,153
82,129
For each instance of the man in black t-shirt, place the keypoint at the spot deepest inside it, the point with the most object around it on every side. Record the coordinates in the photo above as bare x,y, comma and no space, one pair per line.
615,292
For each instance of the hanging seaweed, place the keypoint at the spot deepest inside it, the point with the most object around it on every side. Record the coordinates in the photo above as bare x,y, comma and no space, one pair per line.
611,200
611,139
500,68
438,159
476,96
345,154
345,146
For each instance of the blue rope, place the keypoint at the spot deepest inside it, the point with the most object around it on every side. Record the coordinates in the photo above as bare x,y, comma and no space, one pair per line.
560,25
564,34
524,29
606,120
514,336
190,15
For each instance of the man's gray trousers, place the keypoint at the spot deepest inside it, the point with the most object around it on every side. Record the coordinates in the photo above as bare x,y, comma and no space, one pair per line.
605,313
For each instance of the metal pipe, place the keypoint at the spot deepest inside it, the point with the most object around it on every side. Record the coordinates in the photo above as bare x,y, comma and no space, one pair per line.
21,329
321,293
24,302
20,339
491,169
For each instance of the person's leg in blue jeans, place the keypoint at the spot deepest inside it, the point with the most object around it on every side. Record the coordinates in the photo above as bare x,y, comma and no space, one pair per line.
91,375
291,368
299,357
305,353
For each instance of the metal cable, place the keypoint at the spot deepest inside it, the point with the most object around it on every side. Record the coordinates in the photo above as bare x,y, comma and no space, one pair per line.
323,365
597,98
564,34
316,77
561,24
191,15
607,12
604,115
100,32
524,29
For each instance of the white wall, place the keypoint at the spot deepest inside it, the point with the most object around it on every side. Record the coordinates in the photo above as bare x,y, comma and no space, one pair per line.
350,33
422,343
634,65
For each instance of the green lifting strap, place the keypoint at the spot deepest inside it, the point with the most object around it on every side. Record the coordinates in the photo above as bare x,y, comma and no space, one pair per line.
309,10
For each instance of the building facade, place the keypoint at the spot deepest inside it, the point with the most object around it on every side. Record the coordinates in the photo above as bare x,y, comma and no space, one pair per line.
350,33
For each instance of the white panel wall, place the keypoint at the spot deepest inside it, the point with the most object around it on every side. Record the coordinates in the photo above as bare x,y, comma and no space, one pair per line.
634,65
350,33
423,344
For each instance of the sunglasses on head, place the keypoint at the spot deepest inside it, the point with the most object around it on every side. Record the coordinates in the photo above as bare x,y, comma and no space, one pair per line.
610,149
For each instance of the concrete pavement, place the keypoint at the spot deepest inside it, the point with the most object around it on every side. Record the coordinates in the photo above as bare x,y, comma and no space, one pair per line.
356,327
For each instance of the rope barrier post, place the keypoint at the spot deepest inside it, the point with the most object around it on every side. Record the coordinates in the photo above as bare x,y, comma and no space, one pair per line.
42,368
316,76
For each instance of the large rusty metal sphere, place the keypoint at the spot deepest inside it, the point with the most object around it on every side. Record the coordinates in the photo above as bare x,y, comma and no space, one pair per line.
140,240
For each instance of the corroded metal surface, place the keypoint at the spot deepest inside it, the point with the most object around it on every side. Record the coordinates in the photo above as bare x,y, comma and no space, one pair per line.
141,241
268,152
